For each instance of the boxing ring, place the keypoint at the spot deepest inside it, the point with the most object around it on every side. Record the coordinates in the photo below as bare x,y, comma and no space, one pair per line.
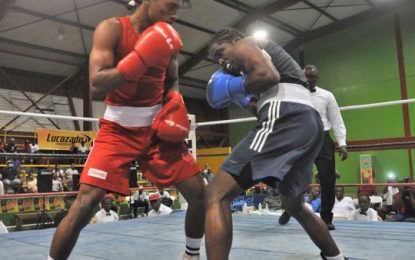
254,236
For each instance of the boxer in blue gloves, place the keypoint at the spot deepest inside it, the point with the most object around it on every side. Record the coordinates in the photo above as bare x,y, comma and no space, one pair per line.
279,151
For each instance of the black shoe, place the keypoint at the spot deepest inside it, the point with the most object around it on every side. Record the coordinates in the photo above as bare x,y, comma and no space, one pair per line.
324,258
284,218
330,226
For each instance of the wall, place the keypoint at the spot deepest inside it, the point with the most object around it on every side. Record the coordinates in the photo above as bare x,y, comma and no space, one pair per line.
360,66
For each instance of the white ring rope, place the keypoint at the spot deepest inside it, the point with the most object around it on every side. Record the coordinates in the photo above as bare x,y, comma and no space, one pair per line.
381,104
229,121
48,116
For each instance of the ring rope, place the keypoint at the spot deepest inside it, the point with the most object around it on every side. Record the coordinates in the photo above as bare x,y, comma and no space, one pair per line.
381,104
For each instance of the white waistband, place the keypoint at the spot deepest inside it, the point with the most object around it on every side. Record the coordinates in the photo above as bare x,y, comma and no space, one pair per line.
288,92
131,116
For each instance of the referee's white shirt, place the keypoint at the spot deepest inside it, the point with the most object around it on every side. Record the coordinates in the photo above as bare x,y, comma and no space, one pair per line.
326,105
370,215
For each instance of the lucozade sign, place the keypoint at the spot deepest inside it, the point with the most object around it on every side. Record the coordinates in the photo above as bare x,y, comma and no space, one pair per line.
62,139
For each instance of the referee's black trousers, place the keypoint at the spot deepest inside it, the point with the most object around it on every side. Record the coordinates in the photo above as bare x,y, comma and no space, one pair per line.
326,166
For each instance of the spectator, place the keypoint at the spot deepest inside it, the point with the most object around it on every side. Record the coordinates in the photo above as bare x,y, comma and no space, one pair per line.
343,206
73,149
1,187
56,183
26,147
207,173
69,173
364,213
368,190
82,148
11,177
404,204
11,147
388,193
115,206
165,197
158,208
314,199
31,182
140,200
34,147
2,146
273,200
106,215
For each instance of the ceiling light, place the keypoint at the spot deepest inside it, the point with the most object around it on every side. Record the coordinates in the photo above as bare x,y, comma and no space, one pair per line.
260,34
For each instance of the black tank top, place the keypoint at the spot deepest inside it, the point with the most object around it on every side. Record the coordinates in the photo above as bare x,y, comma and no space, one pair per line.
290,71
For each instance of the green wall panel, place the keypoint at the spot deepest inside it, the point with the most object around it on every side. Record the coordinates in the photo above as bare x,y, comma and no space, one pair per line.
359,65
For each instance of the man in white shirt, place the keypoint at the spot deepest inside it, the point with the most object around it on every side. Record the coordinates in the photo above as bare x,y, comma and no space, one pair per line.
159,209
140,200
69,176
106,215
364,213
326,105
343,206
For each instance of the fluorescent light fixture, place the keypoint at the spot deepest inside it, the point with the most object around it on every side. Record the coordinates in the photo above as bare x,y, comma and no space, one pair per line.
260,34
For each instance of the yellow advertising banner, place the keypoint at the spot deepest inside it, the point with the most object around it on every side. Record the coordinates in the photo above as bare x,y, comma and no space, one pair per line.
49,139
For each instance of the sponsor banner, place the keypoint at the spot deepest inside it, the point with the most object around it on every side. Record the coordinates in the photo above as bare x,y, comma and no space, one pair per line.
49,139
366,168
33,204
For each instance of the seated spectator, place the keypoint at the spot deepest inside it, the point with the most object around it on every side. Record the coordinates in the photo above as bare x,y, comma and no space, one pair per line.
388,193
31,182
73,149
11,146
115,206
368,190
140,200
56,183
1,187
11,177
343,206
26,147
364,213
34,148
165,197
61,176
314,199
273,200
69,173
404,204
2,146
207,173
62,213
158,208
106,215
82,148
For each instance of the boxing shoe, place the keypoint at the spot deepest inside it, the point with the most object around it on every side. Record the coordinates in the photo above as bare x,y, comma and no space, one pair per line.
190,257
324,257
284,218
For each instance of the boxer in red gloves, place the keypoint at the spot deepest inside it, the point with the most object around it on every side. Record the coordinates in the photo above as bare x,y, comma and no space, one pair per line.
133,63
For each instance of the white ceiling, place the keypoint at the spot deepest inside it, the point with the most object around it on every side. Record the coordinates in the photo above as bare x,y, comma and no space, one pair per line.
30,28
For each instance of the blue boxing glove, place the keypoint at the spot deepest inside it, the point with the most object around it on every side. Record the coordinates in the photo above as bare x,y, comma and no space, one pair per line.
223,89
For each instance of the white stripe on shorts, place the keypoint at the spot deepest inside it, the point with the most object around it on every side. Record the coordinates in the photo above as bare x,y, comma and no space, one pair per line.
261,136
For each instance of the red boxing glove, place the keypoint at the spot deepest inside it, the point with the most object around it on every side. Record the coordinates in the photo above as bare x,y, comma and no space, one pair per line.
171,124
156,43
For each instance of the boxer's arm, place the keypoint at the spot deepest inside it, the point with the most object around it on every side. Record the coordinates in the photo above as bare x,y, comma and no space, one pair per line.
172,75
261,74
103,76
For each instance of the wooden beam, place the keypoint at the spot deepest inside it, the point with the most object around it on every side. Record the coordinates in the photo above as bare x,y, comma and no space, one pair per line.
321,11
379,11
26,96
73,110
5,6
241,23
57,86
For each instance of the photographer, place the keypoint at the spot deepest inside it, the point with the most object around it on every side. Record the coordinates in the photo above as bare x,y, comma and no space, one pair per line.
404,204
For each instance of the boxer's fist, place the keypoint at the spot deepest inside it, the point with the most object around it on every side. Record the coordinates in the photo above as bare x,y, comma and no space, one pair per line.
223,89
155,44
171,124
